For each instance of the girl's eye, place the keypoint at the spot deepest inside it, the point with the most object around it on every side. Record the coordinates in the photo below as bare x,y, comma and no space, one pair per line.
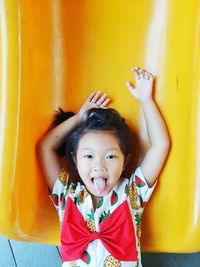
111,157
87,156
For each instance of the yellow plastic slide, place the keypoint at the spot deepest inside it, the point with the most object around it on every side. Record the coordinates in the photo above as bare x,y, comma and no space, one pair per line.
54,53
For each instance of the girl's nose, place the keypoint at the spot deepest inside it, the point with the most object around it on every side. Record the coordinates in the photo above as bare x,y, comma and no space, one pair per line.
99,166
99,169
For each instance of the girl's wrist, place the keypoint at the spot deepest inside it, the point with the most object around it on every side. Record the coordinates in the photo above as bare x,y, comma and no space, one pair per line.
77,117
146,100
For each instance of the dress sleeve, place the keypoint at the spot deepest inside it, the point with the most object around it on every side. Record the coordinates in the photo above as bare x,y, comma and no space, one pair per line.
60,190
139,191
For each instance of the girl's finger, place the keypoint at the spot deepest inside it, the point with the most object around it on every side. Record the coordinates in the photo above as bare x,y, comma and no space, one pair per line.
90,97
130,86
100,101
105,103
150,76
136,69
140,71
95,97
146,76
137,75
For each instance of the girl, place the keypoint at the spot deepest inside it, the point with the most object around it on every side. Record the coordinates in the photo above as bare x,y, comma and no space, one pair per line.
100,215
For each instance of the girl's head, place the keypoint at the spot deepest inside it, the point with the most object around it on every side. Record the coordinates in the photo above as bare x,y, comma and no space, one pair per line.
101,120
100,147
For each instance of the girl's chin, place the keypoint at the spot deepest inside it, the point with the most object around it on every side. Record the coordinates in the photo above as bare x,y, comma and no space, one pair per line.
98,194
102,194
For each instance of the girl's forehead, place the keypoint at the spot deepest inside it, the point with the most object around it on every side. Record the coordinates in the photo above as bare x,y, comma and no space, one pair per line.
105,138
98,135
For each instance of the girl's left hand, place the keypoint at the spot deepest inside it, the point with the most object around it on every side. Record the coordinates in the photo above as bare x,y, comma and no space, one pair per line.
95,100
144,84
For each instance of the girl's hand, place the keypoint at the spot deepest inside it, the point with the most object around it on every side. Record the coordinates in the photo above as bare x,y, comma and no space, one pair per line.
144,85
95,100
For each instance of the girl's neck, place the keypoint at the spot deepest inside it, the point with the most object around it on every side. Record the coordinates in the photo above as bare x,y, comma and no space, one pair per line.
95,201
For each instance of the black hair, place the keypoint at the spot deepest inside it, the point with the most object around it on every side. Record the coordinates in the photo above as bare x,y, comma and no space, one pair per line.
59,117
101,119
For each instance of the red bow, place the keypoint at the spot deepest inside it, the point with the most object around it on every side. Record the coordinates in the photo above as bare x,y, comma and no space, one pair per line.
116,234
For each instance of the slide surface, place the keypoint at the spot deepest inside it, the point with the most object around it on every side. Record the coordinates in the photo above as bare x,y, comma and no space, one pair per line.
53,54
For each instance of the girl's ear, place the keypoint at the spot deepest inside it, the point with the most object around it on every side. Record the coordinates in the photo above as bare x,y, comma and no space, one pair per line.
127,160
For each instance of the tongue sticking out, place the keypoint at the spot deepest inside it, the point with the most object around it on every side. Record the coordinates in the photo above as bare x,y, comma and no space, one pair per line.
99,185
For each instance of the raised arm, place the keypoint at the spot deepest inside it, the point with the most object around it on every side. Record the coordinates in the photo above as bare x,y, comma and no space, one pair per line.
54,139
157,131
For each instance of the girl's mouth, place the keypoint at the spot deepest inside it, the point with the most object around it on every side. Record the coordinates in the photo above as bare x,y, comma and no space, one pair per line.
99,184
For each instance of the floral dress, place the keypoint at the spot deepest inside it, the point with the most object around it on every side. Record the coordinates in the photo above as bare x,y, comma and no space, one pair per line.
126,200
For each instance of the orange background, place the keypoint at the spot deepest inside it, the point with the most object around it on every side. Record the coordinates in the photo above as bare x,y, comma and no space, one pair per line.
54,53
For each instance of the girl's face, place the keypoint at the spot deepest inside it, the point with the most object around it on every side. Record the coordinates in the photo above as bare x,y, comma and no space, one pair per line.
99,161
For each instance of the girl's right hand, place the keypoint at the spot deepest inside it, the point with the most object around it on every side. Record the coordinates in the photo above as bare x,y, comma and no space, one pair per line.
144,85
95,100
